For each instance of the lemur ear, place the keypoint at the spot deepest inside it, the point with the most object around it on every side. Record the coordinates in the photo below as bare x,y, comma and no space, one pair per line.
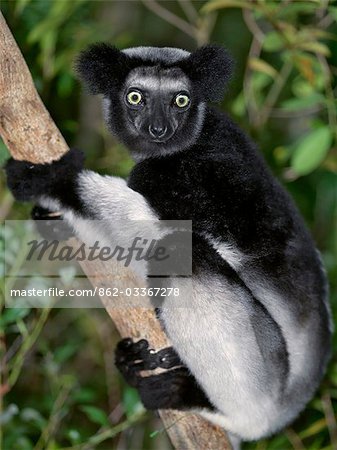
102,67
210,67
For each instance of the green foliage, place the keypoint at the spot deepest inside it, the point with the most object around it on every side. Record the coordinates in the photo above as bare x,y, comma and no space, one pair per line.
311,150
62,390
96,415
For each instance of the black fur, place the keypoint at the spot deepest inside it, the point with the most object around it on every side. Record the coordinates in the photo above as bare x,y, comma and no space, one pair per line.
210,68
103,68
51,225
133,357
175,389
29,181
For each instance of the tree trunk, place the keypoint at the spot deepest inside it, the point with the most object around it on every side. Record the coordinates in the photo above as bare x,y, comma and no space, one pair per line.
30,134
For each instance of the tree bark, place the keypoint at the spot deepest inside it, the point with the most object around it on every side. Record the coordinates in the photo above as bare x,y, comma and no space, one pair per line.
30,134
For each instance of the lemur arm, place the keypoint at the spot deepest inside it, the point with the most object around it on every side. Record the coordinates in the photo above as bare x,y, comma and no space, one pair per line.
121,215
66,186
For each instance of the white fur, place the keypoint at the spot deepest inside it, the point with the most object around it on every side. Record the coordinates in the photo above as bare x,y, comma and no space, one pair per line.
228,252
116,215
169,55
297,337
227,361
150,82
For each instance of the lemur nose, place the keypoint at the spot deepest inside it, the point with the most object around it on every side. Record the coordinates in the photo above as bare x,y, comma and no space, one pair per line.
157,131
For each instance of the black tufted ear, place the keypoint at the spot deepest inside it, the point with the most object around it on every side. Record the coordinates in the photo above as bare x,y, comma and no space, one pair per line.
210,68
102,67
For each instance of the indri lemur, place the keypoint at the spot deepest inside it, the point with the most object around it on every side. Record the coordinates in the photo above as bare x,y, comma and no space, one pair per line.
252,347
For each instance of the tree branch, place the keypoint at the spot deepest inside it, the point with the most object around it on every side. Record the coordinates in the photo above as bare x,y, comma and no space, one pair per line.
171,18
29,133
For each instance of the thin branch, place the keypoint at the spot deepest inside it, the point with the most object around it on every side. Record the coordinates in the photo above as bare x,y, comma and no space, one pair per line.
205,28
322,9
330,419
326,21
190,12
251,105
171,18
252,25
294,439
329,93
283,114
275,91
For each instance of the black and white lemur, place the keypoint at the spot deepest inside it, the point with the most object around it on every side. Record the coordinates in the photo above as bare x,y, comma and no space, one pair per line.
251,349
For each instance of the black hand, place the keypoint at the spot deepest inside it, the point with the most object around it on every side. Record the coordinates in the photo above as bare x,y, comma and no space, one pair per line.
28,181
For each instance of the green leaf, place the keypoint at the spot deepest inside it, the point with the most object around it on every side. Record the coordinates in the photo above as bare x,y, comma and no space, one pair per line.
131,401
296,8
33,416
301,88
273,42
4,153
239,106
260,81
63,353
20,6
96,415
11,315
74,436
259,65
315,47
311,150
7,415
296,104
85,394
313,429
333,12
65,84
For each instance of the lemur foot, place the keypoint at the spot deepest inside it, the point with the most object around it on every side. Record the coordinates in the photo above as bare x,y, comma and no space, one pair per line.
50,224
28,181
173,389
133,357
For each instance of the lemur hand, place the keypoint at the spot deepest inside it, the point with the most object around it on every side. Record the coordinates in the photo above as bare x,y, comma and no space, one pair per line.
28,181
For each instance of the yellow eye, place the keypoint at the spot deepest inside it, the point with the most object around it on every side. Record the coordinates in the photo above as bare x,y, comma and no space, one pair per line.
182,100
134,97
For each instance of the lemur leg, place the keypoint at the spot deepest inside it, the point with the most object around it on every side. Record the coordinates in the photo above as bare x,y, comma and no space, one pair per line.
231,344
174,389
51,224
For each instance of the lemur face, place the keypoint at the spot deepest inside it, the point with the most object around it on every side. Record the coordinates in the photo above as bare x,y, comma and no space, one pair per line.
155,98
158,111
157,102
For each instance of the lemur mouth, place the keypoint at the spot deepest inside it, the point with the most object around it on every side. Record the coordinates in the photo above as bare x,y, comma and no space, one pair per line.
160,141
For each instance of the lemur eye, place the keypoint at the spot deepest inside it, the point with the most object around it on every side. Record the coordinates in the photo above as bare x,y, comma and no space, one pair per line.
182,100
134,97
